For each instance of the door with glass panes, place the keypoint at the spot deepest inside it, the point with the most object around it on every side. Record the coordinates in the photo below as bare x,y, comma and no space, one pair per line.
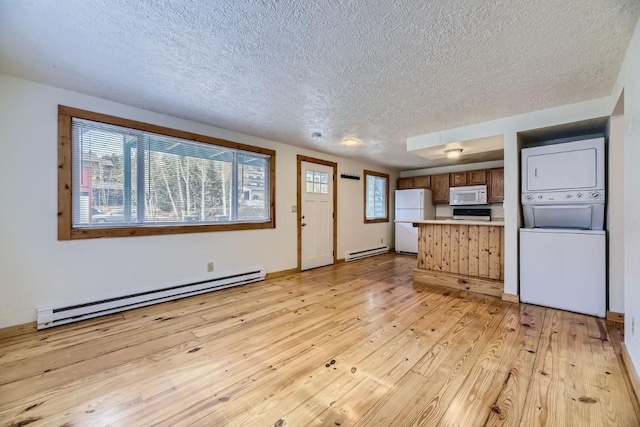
316,215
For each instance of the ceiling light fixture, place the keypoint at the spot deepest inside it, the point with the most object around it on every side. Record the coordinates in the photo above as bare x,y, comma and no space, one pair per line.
316,135
350,142
453,153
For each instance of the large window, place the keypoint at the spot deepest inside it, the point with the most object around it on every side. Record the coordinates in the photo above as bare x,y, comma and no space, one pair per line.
376,197
122,178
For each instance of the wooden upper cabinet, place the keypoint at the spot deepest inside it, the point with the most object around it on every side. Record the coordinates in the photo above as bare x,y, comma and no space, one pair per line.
458,179
422,181
405,183
477,177
496,185
440,188
439,184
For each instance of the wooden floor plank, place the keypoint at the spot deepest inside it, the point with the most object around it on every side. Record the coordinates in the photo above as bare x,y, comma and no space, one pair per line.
578,374
396,356
446,380
614,400
273,350
507,359
564,387
439,373
514,370
258,355
615,332
378,325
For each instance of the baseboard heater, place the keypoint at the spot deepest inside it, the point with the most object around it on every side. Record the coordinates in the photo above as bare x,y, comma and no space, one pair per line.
352,256
53,316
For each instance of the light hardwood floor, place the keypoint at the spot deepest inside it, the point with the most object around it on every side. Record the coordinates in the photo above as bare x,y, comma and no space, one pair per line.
353,344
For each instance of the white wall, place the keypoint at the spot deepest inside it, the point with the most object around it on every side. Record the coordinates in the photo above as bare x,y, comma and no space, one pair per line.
629,81
353,234
615,214
38,270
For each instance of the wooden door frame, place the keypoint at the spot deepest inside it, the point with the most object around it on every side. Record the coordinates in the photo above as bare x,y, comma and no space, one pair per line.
333,165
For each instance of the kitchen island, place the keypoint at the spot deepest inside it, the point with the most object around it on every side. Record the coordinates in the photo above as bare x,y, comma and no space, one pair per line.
460,254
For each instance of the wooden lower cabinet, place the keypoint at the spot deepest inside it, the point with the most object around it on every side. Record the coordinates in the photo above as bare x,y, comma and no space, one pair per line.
469,255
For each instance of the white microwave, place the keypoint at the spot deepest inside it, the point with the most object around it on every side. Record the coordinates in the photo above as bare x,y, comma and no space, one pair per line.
466,196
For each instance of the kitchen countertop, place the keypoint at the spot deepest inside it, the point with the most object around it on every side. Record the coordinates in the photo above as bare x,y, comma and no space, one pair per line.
456,222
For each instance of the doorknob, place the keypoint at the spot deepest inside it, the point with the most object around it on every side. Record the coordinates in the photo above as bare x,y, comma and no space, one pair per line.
304,223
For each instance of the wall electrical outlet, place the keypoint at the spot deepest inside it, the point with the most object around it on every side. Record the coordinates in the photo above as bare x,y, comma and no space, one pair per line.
294,209
210,267
381,240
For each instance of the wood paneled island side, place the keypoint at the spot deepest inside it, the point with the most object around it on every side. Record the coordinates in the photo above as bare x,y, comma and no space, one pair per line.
461,255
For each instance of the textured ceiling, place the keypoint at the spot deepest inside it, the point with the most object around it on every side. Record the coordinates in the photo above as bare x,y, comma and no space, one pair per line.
377,71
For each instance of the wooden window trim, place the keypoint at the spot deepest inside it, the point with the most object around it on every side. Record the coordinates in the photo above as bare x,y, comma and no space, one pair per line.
66,231
382,175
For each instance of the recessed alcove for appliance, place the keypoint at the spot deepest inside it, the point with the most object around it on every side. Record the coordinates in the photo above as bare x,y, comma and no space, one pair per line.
566,132
563,191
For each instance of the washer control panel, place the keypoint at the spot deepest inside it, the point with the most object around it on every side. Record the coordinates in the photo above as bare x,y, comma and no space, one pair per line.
563,196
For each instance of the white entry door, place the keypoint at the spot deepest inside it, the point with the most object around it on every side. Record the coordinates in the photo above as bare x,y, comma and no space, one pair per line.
316,215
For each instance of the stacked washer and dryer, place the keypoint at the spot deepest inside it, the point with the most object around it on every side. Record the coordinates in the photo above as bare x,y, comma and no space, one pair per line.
563,245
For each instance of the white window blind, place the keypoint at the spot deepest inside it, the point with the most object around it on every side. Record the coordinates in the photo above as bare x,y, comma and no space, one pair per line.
127,177
376,197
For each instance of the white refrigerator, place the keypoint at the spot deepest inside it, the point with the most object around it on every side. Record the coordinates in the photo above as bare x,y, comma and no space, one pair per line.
411,205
